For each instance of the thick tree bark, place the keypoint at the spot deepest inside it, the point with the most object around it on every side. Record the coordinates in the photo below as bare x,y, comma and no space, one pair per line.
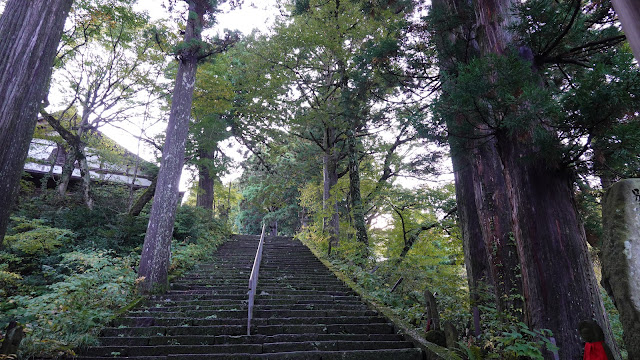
357,208
206,182
629,13
485,216
476,255
558,283
515,191
494,214
560,287
30,32
156,252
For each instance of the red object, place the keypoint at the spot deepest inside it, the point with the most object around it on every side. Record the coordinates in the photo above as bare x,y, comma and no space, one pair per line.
594,351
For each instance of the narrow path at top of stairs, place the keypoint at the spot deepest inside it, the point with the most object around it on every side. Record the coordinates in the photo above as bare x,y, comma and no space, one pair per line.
302,311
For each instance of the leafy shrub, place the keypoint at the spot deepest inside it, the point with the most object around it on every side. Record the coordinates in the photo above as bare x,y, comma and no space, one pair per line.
504,336
69,314
614,320
196,236
67,270
8,279
32,237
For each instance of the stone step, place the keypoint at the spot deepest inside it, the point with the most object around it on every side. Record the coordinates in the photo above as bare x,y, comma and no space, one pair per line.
231,306
386,354
208,291
362,328
276,347
284,301
186,297
301,311
242,313
314,306
243,339
191,313
240,320
161,303
371,328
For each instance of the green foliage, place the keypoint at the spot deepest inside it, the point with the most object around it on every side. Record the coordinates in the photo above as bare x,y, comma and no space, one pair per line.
510,100
435,261
67,270
614,321
504,336
269,188
8,279
95,285
32,237
186,254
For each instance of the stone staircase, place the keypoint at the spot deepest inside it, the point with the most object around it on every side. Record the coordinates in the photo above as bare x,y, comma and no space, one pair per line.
302,311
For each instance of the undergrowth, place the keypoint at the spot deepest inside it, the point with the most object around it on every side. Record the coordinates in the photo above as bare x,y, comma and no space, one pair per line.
66,271
502,336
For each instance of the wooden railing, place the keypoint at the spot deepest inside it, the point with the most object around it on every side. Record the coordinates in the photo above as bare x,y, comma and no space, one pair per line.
253,279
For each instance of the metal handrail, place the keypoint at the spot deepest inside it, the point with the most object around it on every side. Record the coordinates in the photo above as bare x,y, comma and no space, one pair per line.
253,279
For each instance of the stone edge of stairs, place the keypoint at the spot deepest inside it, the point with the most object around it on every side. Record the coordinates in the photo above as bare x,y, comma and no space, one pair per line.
431,350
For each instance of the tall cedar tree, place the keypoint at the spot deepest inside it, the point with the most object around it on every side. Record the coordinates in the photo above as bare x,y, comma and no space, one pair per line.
490,254
506,188
156,252
31,32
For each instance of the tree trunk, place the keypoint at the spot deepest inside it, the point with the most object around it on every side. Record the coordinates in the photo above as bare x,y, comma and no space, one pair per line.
476,255
134,177
629,13
559,286
67,172
330,175
206,182
30,32
144,198
52,165
156,252
357,208
483,209
600,167
86,179
494,213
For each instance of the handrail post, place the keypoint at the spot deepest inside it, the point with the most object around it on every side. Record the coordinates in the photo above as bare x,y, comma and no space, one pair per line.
253,279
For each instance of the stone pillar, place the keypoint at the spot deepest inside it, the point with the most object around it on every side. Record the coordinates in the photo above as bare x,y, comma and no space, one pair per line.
621,257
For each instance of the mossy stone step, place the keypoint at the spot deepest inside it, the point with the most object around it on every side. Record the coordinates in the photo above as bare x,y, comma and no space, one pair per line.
277,347
314,306
244,339
388,354
148,321
192,297
182,303
192,313
302,311
311,313
381,328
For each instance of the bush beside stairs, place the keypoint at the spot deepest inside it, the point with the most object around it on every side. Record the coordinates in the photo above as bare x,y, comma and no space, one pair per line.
302,311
